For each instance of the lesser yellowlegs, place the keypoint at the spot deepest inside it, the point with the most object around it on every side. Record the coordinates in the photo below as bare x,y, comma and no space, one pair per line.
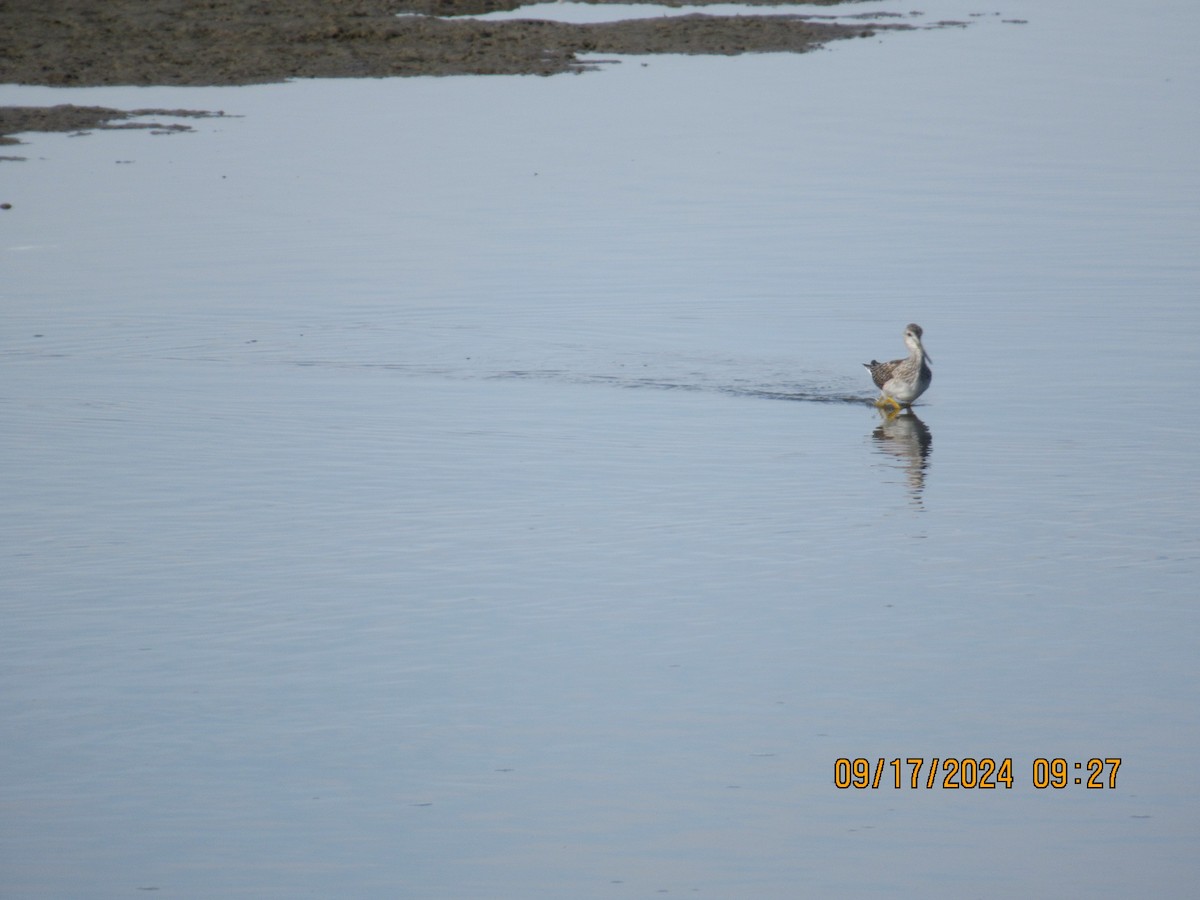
902,381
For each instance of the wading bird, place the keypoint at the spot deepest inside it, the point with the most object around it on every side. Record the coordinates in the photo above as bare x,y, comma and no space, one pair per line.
902,381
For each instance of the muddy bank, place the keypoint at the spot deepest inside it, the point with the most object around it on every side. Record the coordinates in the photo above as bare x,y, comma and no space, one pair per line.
65,117
74,43
81,43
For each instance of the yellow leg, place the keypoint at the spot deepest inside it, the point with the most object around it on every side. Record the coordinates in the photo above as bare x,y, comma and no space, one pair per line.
886,402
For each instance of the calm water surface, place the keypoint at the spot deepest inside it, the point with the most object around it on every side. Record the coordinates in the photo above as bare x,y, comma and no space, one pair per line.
467,488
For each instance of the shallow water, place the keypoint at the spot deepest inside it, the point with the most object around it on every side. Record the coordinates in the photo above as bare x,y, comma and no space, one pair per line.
415,487
583,12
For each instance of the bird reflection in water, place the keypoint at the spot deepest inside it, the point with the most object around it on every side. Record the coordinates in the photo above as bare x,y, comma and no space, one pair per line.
904,436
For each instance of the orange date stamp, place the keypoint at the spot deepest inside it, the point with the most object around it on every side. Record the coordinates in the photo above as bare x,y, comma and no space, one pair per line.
969,773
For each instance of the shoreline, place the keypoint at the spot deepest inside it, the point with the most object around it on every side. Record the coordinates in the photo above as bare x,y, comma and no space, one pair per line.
78,43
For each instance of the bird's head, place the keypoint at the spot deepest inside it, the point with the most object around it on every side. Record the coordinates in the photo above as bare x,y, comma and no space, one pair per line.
912,338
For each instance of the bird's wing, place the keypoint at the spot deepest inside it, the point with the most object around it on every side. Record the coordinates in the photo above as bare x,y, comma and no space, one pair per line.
881,372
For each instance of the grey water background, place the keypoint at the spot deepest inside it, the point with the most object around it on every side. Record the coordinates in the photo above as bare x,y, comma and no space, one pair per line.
467,487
